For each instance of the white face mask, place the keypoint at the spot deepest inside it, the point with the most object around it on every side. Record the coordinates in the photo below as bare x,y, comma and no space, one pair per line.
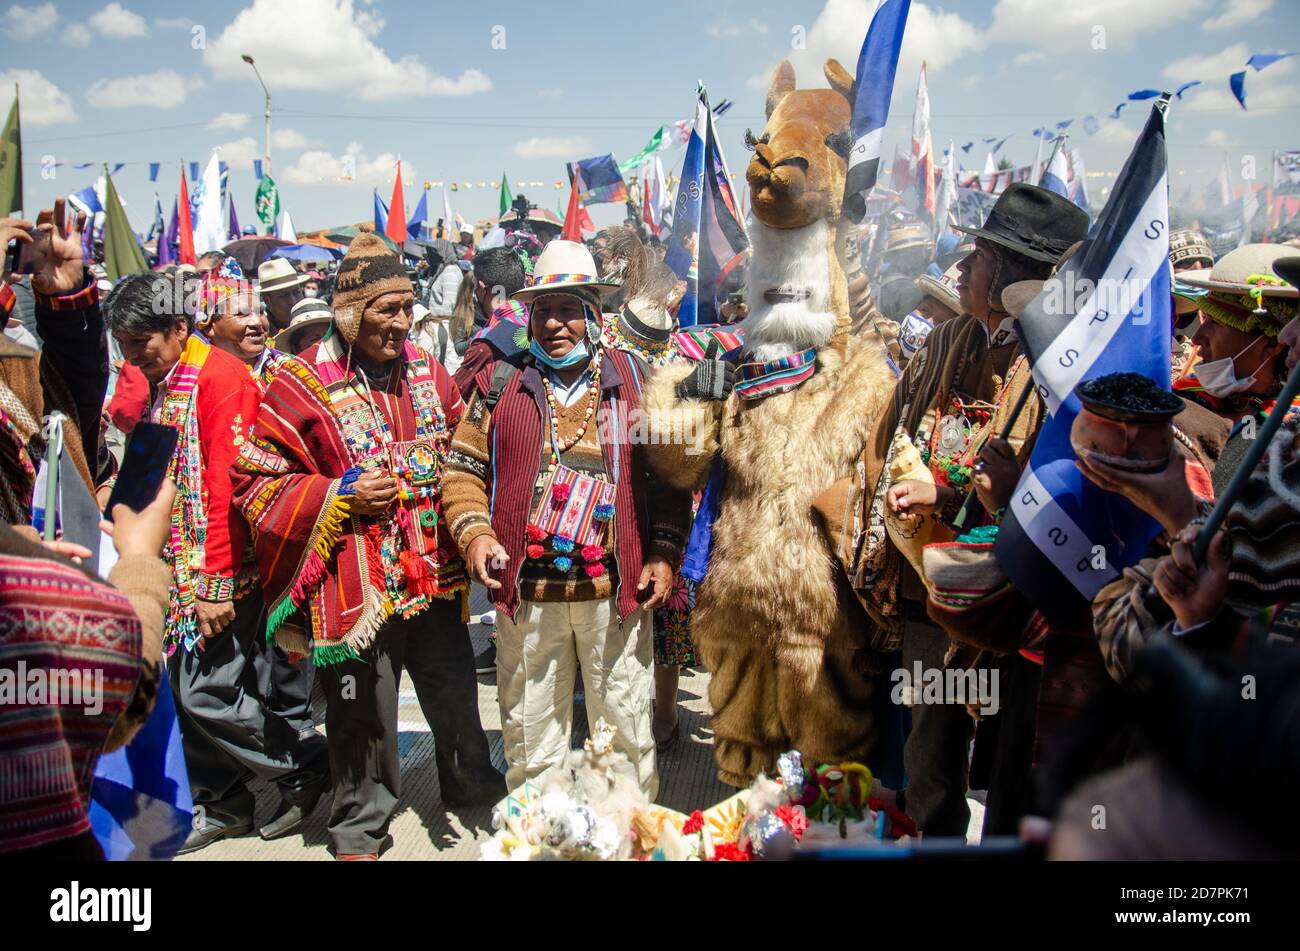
1219,377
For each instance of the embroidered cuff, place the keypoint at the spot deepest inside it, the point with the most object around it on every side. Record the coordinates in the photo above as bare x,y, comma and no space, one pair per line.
83,299
212,587
470,527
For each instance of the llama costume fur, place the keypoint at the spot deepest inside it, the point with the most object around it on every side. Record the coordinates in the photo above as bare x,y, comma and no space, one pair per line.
789,648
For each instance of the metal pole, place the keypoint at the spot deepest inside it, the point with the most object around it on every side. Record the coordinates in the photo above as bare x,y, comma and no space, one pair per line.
268,128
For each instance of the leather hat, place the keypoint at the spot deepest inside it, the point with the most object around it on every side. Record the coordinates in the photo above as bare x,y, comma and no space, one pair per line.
1033,221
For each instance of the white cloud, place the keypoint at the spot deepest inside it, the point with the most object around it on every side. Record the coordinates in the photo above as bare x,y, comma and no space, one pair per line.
165,89
339,52
575,147
25,23
229,120
43,102
1209,67
1115,132
935,36
1238,13
1218,139
1026,59
729,30
352,167
1264,90
173,23
119,23
241,150
78,34
552,93
291,139
1069,27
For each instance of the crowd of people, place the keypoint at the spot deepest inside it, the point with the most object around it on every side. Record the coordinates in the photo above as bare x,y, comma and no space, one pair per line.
360,447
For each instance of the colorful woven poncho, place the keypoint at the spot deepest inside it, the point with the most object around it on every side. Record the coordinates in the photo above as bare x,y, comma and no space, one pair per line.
334,576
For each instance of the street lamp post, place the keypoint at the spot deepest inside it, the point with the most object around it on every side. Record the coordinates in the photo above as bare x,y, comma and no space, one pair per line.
249,60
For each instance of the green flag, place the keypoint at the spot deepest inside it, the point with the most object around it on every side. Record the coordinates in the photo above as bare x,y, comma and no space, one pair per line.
657,141
268,203
506,200
122,254
11,162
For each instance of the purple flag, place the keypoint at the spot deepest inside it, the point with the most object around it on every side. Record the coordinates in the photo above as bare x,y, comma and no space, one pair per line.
168,239
234,219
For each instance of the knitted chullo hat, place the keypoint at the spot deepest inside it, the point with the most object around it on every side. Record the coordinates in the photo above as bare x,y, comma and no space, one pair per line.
369,270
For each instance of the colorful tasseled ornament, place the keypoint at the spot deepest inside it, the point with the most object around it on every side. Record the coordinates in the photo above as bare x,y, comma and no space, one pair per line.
604,512
592,553
536,551
534,534
563,562
560,492
594,570
563,544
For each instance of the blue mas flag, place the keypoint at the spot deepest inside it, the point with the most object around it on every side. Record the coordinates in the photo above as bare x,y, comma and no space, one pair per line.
708,239
140,805
1106,311
381,214
872,89
417,219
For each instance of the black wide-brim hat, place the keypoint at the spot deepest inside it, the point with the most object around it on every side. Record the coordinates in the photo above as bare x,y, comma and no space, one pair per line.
1033,221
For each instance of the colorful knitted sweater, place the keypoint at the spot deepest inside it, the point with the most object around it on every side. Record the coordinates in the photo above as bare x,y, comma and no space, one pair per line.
496,464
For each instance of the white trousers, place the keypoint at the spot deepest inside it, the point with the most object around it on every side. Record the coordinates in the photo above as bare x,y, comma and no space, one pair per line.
536,656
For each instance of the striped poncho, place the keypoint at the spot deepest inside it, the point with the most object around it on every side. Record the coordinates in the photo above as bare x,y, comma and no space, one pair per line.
332,578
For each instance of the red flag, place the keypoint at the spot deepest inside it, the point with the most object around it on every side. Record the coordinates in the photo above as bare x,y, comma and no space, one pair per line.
397,212
186,229
576,219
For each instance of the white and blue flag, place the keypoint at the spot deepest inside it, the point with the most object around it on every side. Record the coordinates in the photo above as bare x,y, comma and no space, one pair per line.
1056,173
708,240
1106,311
872,90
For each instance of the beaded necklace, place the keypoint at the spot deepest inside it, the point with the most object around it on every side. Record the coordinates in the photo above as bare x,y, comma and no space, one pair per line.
957,437
559,447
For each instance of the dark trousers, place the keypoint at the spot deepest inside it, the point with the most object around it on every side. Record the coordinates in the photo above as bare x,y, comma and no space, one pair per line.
936,754
233,725
1011,781
361,721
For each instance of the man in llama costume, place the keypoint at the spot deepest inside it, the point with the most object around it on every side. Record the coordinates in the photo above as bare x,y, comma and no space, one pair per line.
793,656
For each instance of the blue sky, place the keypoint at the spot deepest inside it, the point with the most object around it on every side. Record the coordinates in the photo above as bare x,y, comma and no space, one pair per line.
462,91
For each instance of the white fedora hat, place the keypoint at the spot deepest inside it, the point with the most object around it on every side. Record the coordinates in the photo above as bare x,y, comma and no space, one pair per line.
564,266
277,274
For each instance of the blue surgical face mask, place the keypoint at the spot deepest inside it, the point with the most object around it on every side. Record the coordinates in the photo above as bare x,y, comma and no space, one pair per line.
579,354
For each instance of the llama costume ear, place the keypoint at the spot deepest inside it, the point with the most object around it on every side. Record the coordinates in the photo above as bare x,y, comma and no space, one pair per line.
782,84
839,79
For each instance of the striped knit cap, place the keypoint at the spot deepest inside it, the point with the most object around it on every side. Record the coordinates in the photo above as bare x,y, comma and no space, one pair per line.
369,270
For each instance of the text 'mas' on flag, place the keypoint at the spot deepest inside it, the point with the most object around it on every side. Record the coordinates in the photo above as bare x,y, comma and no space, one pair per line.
1106,310
872,90
708,236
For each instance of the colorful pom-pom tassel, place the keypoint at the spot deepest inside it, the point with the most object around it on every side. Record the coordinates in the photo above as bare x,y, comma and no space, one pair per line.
604,512
594,570
560,492
536,551
534,533
592,553
563,544
564,563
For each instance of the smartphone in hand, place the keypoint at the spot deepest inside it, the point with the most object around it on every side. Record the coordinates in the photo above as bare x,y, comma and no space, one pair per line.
144,466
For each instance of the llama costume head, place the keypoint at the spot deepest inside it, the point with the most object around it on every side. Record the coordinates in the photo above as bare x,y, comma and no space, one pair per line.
797,290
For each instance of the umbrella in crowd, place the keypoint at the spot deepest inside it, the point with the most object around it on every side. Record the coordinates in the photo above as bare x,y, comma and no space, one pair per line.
305,252
250,252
